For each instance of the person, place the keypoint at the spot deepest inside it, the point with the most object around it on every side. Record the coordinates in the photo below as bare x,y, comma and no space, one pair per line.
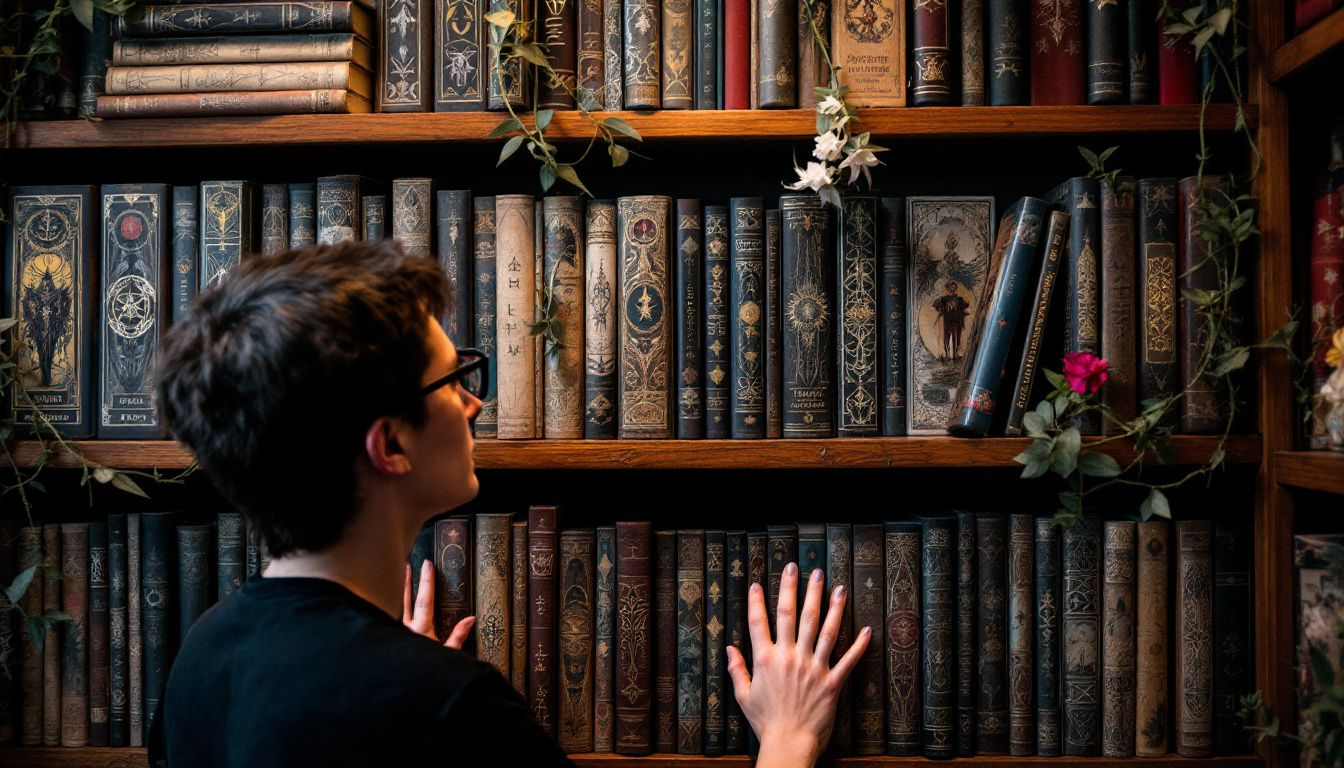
952,310
323,399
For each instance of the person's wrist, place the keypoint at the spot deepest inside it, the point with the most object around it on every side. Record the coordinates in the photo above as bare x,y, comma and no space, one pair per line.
789,746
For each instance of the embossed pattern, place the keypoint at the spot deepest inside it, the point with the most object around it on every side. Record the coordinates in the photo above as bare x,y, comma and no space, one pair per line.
564,275
576,640
634,642
645,382
1117,640
1150,694
859,404
808,322
599,339
1194,638
1081,646
904,710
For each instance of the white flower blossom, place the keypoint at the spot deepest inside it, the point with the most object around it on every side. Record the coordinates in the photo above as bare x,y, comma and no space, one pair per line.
830,106
829,145
816,177
860,160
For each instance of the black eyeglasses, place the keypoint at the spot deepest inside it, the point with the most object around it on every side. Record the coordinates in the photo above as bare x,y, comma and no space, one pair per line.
473,367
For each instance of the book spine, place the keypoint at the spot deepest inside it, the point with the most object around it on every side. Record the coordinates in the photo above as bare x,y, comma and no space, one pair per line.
576,640
857,403
274,219
317,101
453,589
782,39
678,57
1117,640
455,244
29,547
613,48
1150,687
515,285
737,76
754,56
839,557
1158,353
665,621
459,56
302,215
51,639
590,66
227,228
246,18
1021,633
643,53
505,86
373,210
254,547
747,317
1107,54
991,706
646,328
967,610
216,78
1117,300
75,635
736,634
1047,637
1210,82
338,209
558,29
718,411
604,634
1327,264
1194,638
1082,317
93,67
807,257
135,624
904,709
541,589
690,336
634,641
690,641
518,655
1143,45
869,599
871,33
774,314
135,275
231,567
100,692
194,543
240,49
1080,649
1231,636
1007,46
9,618
406,49
782,545
1056,233
1202,407
972,39
599,382
492,590
716,671
422,549
939,598
1058,75
812,70
564,281
706,84
930,55
118,661
892,270
186,228
1175,66
482,302
811,557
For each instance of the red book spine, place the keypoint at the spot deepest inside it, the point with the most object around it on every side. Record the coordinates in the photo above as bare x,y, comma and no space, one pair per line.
1057,52
1308,12
1327,273
737,53
1175,68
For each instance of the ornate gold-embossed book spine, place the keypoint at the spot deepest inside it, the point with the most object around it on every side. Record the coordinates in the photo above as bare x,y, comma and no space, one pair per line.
1007,35
576,640
452,211
808,326
747,317
858,404
1118,333
1081,650
591,65
718,343
246,18
613,45
1021,634
930,53
484,306
542,673
643,54
893,288
839,554
1081,197
690,641
302,215
564,289
159,591
1150,685
972,30
967,605
135,674
407,55
604,634
991,706
234,103
186,229
1047,637
904,701
774,364
557,31
515,284
779,36
645,383
601,283
634,638
939,606
339,216
1193,635
412,216
869,678
665,621
492,589
783,549
1038,307
868,45
211,78
246,49
1204,405
518,618
736,633
678,54
717,690
1158,354
1117,640
460,56
690,307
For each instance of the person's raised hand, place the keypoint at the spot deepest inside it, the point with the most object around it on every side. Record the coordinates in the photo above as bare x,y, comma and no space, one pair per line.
419,618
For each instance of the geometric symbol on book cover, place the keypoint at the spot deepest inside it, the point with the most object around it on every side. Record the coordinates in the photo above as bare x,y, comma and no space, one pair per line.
1160,296
133,229
1087,294
47,304
644,308
1056,16
130,307
48,229
868,21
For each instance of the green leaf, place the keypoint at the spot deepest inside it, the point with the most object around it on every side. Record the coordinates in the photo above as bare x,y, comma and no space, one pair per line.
1098,464
124,482
1202,39
501,18
1155,505
1035,469
547,178
7,323
1056,380
1321,669
620,126
83,12
544,118
1191,15
1106,155
1064,457
1232,361
1033,423
568,173
104,474
1220,19
532,53
16,590
619,155
1089,156
509,148
37,486
508,126
1071,502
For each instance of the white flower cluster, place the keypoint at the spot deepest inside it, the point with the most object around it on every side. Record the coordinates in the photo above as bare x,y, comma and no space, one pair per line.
836,150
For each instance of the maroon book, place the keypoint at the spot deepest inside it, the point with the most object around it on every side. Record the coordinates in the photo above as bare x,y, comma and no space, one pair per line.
541,620
452,566
1058,57
930,55
737,54
1327,273
1202,409
665,622
1308,12
634,639
1175,66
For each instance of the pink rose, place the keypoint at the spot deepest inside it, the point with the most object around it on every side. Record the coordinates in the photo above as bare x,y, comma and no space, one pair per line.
1085,372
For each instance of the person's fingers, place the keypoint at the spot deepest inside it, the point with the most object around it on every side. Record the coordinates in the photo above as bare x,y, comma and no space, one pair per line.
424,599
459,634
811,615
758,622
786,613
846,663
406,598
830,629
737,670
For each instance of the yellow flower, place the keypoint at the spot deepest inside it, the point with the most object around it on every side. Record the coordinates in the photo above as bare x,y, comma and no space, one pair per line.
1334,357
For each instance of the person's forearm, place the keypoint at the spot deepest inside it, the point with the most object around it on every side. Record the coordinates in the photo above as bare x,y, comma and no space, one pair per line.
786,753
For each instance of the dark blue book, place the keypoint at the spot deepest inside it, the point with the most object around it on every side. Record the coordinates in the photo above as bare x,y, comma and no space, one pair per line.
231,553
1080,657
747,316
1048,608
1107,52
707,64
858,394
773,316
736,585
991,706
118,650
1008,30
274,219
905,711
939,605
195,547
811,557
717,688
1082,269
483,307
690,641
1231,635
893,265
967,607
339,214
839,573
781,549
718,343
158,601
690,388
807,254
302,215
186,231
869,597
452,209
1143,42
100,690
374,215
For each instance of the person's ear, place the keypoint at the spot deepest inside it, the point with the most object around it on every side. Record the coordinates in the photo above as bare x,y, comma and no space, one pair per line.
383,449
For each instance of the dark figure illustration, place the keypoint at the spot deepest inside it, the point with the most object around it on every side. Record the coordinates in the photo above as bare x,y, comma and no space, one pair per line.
952,310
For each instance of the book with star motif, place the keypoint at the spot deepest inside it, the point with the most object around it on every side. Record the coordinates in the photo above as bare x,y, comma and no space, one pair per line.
604,636
647,330
690,388
1081,197
718,363
717,688
1158,259
453,591
808,271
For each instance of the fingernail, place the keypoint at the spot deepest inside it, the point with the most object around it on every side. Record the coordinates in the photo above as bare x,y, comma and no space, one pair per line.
816,575
867,631
791,569
840,591
755,587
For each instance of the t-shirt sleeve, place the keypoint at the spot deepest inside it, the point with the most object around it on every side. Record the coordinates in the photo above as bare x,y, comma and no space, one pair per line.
489,720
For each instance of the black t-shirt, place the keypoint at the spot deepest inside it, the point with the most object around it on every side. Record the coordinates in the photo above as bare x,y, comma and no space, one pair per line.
303,672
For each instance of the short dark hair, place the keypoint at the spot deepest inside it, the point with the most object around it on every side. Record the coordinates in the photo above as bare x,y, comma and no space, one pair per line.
274,376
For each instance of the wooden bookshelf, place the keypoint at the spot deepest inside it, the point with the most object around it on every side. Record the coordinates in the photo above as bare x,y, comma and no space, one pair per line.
1312,470
849,453
1314,44
792,124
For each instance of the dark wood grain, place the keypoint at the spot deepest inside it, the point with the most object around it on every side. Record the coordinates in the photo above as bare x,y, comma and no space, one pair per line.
1315,43
1312,470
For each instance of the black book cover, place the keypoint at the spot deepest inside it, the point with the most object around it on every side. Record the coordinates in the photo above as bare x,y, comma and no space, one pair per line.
643,54
338,211
1231,635
483,306
939,603
254,553
811,557
194,545
808,292
93,70
781,549
228,212
1021,634
717,687
747,319
893,266
1009,28
374,216
707,50
690,336
869,678
406,55
1081,647
1082,297
839,556
1158,351
460,59
665,650
557,30
1107,52
904,708
506,86
604,632
186,229
452,209
778,33
302,215
718,343
859,404
74,653
118,650
245,18
158,558
100,694
1023,387
231,554
1047,638
738,636
1143,42
991,534
967,610
773,314
690,641
274,219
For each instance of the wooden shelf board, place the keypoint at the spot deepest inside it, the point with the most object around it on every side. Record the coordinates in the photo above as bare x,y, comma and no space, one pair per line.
852,453
1313,470
734,125
1308,48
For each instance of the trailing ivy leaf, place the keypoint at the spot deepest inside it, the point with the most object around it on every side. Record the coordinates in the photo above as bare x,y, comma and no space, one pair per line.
547,178
532,53
508,126
1056,380
16,590
620,126
1071,502
1283,338
1106,154
103,474
1191,15
1098,464
568,173
37,486
1232,361
1155,505
1202,39
1218,457
619,155
510,147
83,12
1064,457
1033,422
123,482
1089,156
1035,469
544,118
1219,20
501,18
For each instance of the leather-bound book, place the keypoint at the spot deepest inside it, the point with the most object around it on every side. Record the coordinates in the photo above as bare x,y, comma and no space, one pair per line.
483,306
97,54
774,313
893,265
51,639
1317,599
782,38
557,30
858,400
1080,653
904,709
460,55
991,706
647,332
452,568
736,634
717,690
758,562
100,692
634,641
665,624
542,674
613,46
1021,633
230,554
515,286
9,618
1175,65
215,78
808,327
782,549
747,321
1231,635
413,215
678,55
1107,53
930,53
186,228
968,607
246,18
690,641
1007,40
690,333
1143,45
1151,713
643,54
754,62
939,604
492,589
601,314
75,635
274,219
452,210
811,557
718,343
314,101
604,633
868,681
228,227
1037,318
564,281
1118,333
510,85
118,659
29,553
374,215
1204,405
422,549
590,66
518,656
50,274
1117,639
812,69
135,645
1327,290
135,277
1193,635
339,215
869,41
705,21
1081,197
1011,264
839,556
302,215
1211,80
1158,352
407,56
1048,606
1058,58
576,640
737,40
194,546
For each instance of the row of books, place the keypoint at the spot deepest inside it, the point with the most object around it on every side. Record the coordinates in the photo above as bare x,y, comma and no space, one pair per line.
992,633
890,316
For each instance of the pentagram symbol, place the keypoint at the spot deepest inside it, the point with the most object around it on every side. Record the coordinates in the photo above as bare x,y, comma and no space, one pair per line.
130,307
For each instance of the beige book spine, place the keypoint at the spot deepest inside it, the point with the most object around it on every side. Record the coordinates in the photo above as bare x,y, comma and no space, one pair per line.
493,576
870,51
515,284
564,277
213,78
252,49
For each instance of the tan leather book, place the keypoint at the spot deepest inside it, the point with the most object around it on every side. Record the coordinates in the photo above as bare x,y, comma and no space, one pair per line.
240,49
1117,639
1194,638
215,78
645,383
232,103
515,286
564,283
869,47
1150,688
